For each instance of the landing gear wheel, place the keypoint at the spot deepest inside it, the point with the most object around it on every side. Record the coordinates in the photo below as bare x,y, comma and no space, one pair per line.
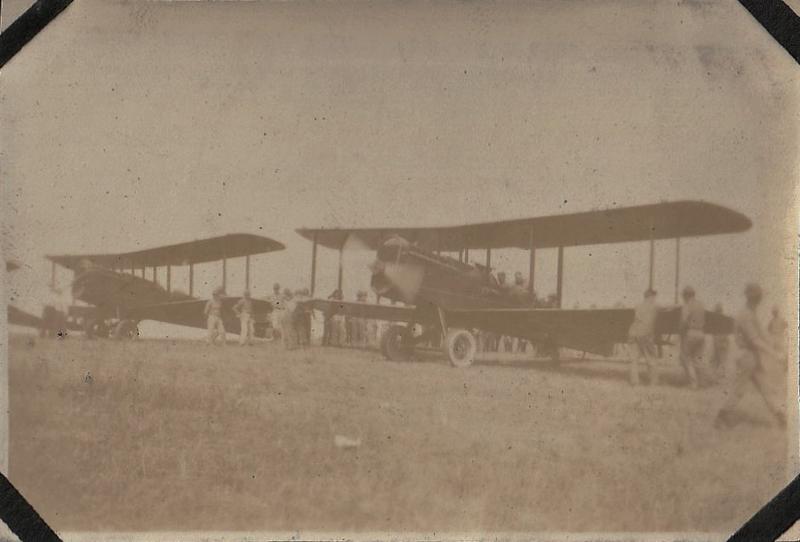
95,328
461,347
396,344
126,329
553,352
549,350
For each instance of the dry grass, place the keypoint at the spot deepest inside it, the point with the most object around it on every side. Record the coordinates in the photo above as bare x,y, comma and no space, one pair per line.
177,435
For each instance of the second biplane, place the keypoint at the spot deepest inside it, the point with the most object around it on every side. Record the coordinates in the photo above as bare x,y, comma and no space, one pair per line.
449,297
117,299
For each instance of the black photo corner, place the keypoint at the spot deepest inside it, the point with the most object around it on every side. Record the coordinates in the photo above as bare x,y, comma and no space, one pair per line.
769,523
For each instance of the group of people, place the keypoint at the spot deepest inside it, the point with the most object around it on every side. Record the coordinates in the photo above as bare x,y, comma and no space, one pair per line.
290,320
760,351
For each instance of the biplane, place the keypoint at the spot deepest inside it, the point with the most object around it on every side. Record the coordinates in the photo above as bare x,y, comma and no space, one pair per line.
449,297
117,299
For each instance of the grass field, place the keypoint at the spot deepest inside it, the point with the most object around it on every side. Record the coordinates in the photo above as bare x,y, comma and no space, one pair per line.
166,435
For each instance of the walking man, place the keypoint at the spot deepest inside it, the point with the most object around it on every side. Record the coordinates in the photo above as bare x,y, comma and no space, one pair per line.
753,363
642,335
244,312
213,312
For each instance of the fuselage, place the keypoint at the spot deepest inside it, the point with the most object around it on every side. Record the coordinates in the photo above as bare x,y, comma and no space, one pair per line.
115,293
404,272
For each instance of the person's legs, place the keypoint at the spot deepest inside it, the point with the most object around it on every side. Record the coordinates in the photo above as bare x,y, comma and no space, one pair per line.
651,360
243,329
221,331
760,380
687,361
634,352
211,327
745,366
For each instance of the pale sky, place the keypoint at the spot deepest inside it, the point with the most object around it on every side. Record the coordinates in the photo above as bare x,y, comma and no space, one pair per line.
128,125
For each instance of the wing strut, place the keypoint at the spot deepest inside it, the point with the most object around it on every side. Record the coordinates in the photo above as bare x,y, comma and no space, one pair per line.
652,261
313,263
531,262
560,276
247,272
224,274
677,266
339,277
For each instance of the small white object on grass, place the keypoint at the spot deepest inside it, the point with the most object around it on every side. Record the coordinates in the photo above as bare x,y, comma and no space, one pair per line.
346,442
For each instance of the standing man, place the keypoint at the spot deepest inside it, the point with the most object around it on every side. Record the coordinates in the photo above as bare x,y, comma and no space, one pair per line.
337,334
288,329
244,312
276,316
213,312
302,317
755,351
358,325
642,335
693,338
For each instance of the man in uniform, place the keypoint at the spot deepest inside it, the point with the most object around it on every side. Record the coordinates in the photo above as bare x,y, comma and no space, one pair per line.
335,324
693,338
358,325
755,351
642,337
276,316
244,312
302,317
288,329
213,312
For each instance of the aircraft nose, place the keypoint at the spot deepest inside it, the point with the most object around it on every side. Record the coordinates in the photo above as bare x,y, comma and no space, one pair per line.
379,283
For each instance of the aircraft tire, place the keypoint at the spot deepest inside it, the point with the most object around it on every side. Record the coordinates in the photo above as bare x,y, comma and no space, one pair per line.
95,328
126,329
396,344
460,346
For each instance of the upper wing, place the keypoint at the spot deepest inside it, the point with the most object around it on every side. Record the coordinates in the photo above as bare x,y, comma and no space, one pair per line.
615,225
199,251
392,313
192,312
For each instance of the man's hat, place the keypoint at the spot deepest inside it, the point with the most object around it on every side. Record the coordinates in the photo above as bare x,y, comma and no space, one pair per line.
246,293
650,293
688,292
219,291
752,290
276,286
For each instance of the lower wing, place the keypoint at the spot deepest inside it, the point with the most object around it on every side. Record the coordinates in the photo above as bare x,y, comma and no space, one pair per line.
590,330
192,313
391,313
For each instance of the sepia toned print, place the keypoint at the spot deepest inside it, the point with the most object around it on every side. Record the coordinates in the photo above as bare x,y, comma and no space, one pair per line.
400,270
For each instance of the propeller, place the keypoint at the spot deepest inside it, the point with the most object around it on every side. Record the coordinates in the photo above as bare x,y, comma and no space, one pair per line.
406,278
392,275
